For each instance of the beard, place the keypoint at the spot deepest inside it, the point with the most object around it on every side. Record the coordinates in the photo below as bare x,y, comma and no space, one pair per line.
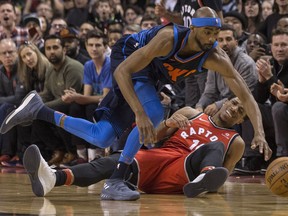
71,52
203,47
55,59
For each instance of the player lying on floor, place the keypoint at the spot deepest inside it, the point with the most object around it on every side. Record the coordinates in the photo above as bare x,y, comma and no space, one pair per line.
195,159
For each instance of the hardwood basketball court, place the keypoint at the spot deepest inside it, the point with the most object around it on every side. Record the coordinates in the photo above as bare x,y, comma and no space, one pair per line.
241,195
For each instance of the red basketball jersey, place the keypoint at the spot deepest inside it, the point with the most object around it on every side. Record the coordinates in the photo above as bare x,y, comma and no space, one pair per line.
163,170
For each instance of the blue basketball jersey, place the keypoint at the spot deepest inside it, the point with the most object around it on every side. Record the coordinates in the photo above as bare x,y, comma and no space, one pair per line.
171,68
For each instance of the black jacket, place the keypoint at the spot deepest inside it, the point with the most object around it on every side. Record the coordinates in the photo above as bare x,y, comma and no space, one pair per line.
280,72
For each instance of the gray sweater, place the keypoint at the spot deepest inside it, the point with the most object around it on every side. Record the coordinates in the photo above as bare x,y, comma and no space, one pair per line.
216,91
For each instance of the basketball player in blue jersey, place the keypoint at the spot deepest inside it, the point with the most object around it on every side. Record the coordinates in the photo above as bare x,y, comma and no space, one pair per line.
168,53
182,14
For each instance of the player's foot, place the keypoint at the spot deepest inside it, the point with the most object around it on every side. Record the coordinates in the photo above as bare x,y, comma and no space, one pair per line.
210,181
42,177
26,112
116,189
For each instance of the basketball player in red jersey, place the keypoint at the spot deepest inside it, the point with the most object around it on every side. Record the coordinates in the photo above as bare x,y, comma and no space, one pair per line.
196,159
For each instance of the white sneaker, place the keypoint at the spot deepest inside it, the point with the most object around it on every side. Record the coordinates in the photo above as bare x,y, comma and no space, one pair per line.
42,177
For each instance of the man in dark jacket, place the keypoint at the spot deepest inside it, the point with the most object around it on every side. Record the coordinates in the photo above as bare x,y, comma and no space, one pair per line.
273,76
11,94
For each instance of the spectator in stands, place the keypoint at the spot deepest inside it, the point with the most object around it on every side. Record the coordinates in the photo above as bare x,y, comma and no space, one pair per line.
31,70
113,37
257,46
267,9
49,8
11,94
76,16
130,14
216,91
281,10
68,6
8,26
97,82
252,10
67,73
149,21
102,14
72,45
45,10
282,23
84,28
270,73
57,25
239,23
33,24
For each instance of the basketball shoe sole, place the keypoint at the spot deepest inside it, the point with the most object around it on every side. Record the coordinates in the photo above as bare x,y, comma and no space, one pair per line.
26,112
211,182
42,177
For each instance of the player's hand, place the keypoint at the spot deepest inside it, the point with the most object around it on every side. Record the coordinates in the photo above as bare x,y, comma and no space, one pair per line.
260,142
147,132
160,9
178,121
211,109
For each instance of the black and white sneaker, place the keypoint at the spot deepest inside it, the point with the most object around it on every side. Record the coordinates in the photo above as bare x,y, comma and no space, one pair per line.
42,177
210,181
25,113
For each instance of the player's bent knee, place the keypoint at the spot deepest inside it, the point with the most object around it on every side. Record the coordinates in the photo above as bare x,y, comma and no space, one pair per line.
216,146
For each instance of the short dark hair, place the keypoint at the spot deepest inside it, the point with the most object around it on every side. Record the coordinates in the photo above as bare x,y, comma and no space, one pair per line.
54,36
97,34
278,31
226,27
150,17
2,2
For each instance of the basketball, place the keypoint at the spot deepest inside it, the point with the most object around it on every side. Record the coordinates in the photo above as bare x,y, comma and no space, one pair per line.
276,176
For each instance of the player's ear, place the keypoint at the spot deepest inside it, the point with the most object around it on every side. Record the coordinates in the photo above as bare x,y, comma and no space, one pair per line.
191,27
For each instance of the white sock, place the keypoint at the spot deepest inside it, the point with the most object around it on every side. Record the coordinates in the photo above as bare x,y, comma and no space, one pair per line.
91,154
82,153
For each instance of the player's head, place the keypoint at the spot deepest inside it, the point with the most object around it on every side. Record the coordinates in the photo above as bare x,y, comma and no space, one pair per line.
232,112
206,25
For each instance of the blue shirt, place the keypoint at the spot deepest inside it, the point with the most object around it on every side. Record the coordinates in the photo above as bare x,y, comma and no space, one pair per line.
98,81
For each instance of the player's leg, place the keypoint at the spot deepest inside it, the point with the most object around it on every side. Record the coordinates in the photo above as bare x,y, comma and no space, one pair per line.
101,134
114,188
44,179
205,170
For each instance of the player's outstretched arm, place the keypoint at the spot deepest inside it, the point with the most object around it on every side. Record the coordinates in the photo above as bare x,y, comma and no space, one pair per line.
220,62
